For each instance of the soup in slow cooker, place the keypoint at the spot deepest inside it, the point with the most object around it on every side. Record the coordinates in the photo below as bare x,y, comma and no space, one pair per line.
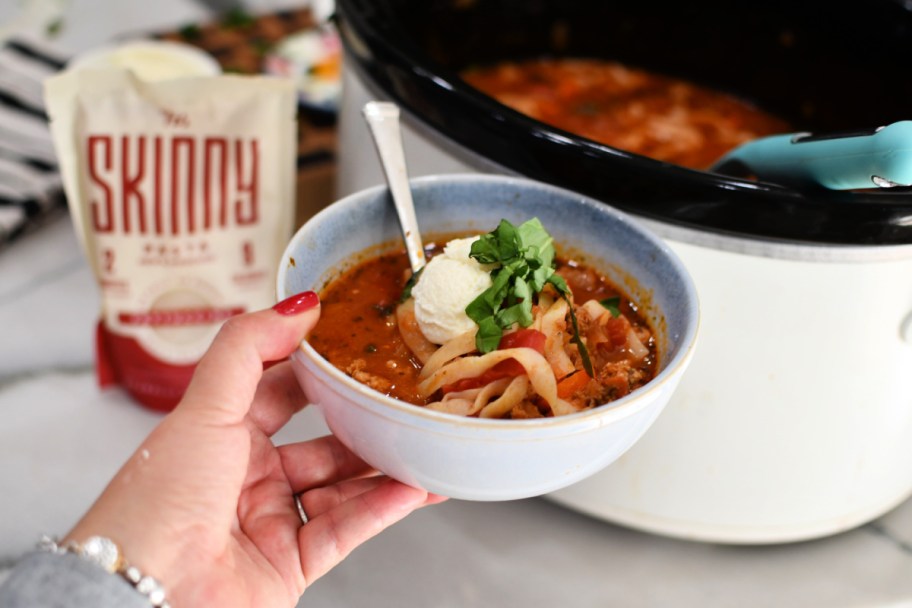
664,118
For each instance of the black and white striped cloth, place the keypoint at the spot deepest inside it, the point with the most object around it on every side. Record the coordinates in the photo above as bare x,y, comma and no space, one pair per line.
30,186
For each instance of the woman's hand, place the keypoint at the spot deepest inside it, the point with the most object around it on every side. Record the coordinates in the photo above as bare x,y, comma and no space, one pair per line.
206,504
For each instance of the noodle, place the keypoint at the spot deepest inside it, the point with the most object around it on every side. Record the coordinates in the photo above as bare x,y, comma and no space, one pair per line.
475,400
420,346
534,364
515,393
457,347
553,325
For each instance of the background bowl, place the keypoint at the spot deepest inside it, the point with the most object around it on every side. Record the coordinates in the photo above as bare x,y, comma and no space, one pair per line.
472,458
151,60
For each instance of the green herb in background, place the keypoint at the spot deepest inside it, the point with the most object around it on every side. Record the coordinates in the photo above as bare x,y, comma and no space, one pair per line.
237,18
524,260
190,32
261,47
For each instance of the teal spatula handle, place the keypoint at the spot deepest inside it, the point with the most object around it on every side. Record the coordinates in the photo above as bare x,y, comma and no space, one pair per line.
879,157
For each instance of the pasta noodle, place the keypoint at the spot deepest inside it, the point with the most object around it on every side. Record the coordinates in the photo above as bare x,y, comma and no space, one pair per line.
422,348
457,347
534,364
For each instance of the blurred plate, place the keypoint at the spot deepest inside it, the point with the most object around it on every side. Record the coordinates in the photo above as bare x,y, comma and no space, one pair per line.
313,58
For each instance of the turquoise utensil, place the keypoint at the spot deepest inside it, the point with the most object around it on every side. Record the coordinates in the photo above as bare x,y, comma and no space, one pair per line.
880,157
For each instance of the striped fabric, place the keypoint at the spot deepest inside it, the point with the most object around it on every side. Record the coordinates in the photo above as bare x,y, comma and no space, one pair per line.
30,186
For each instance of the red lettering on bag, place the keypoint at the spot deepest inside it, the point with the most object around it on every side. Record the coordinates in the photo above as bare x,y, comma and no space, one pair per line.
102,222
250,187
130,184
212,144
172,185
157,186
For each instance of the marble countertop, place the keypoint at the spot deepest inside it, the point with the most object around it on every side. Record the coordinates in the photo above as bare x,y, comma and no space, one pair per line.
62,438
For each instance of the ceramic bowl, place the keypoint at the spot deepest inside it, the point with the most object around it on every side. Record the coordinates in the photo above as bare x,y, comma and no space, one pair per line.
484,459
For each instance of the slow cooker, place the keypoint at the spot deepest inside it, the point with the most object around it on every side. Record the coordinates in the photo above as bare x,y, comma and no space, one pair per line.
795,418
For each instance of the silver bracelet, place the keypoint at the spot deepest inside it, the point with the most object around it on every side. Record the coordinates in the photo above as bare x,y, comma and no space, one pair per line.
104,553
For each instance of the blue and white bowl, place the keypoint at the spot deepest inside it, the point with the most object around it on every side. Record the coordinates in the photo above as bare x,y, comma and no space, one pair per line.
484,459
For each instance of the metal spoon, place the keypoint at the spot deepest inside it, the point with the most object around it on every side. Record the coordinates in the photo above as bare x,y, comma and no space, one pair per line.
383,119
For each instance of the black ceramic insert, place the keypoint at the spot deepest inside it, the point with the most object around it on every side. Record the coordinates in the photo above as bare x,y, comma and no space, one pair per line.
822,65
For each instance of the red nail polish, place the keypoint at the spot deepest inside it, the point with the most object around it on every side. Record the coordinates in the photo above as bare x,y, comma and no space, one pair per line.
297,303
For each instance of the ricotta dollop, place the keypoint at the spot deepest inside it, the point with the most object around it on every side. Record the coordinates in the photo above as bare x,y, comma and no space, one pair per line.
448,283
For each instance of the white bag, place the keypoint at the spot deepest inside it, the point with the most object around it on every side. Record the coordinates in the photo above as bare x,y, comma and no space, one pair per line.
182,193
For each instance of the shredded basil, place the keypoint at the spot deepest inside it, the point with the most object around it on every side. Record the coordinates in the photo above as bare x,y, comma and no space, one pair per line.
612,305
561,286
407,290
524,263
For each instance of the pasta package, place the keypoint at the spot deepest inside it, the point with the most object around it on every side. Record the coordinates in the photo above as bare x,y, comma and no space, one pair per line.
182,194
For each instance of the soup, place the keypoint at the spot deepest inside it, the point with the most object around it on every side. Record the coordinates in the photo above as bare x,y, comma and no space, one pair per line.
661,117
559,363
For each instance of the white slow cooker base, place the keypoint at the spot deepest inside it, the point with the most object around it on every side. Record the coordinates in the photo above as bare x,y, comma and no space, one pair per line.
739,534
794,419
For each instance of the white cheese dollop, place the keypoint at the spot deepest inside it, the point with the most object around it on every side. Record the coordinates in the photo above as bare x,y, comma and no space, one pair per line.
448,283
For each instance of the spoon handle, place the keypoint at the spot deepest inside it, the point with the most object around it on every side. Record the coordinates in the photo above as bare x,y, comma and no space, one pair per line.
383,120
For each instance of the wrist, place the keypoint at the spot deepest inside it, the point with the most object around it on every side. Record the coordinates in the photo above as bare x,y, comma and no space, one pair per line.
107,555
145,546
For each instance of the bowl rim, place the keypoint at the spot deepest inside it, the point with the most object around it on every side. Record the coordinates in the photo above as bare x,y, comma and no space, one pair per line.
628,405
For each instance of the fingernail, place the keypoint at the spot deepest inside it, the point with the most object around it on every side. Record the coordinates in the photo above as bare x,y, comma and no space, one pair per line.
297,303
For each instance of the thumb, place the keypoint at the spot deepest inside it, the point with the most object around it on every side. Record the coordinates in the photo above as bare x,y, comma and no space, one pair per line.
227,376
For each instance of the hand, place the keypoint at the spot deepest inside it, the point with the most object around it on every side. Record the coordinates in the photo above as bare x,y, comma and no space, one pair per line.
206,504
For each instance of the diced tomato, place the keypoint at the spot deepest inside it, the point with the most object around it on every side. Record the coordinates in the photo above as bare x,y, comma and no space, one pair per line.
521,338
616,329
529,338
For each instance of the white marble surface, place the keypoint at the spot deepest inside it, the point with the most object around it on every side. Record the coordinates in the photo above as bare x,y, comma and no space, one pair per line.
61,438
